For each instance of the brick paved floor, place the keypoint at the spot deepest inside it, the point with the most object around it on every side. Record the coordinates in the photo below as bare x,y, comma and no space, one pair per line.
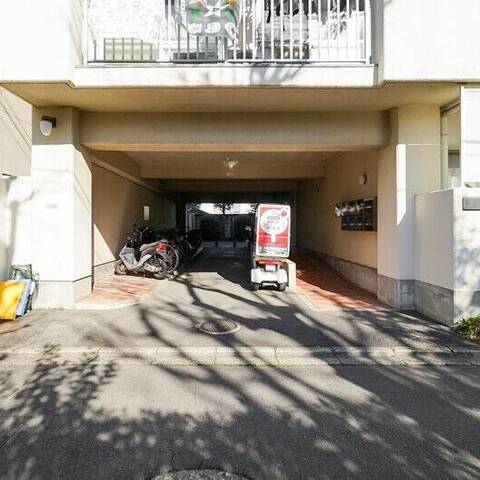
117,290
327,288
323,286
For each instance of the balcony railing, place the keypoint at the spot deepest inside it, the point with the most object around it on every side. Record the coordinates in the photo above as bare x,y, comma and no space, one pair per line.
234,31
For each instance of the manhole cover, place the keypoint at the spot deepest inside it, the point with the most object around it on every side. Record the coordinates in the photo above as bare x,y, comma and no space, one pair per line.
219,327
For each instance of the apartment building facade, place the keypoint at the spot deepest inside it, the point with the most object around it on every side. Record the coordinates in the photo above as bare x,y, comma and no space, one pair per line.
330,102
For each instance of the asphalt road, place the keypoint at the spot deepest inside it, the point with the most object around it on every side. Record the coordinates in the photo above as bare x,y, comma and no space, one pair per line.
123,418
139,421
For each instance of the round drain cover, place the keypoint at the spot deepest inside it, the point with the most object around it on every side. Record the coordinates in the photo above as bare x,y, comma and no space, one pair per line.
219,327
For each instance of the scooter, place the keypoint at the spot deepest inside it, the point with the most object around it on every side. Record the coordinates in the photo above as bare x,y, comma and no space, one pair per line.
271,247
150,260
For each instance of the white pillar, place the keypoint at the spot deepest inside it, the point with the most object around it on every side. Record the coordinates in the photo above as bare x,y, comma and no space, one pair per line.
411,164
53,224
467,213
470,136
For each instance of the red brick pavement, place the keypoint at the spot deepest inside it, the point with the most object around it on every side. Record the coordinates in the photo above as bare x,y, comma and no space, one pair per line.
327,289
118,289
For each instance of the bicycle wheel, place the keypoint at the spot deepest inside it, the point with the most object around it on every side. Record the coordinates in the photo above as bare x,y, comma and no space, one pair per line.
171,258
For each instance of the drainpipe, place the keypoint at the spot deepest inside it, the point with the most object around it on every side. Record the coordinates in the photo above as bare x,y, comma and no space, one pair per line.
444,152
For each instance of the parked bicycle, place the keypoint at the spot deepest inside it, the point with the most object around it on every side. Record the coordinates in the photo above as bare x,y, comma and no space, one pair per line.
169,255
179,247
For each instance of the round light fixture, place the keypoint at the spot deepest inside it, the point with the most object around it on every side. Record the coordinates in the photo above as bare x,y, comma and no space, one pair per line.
363,179
47,124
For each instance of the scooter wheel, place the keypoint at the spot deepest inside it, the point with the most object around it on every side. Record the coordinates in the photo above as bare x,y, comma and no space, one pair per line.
282,287
255,286
120,268
161,268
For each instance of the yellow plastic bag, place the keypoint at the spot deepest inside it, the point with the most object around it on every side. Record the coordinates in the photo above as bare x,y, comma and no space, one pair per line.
10,296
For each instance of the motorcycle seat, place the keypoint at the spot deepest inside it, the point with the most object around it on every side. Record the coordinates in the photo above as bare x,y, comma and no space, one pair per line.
147,245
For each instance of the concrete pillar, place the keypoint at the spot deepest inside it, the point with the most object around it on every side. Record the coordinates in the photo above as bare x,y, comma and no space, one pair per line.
410,165
53,224
470,136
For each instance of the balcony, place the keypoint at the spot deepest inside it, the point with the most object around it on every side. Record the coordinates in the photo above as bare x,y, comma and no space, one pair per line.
228,31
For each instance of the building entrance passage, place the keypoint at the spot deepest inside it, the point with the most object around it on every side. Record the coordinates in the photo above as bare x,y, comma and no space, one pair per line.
215,286
324,288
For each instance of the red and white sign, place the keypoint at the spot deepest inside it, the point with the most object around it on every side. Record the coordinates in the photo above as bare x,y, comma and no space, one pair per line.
273,231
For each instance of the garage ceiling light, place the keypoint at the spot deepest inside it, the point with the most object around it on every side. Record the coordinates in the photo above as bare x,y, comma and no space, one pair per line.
230,163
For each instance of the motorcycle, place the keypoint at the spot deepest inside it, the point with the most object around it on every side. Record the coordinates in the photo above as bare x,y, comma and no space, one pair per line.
138,257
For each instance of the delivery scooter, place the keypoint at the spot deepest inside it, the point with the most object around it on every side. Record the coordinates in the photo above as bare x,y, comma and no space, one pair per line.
271,247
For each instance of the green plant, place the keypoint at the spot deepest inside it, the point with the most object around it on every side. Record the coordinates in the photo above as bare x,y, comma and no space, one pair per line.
469,328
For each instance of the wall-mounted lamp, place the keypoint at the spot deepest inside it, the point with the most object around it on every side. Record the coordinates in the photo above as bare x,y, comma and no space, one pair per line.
47,124
363,179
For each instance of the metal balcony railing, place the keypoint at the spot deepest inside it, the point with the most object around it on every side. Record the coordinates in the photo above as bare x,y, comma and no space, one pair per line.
275,31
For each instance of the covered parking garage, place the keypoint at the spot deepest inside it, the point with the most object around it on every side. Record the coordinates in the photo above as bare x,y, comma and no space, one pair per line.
278,158
310,161
229,260
116,151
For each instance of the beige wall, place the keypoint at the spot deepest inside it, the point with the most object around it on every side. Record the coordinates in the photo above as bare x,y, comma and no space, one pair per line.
15,134
447,250
48,213
430,40
233,132
318,228
15,159
434,238
117,204
5,230
410,166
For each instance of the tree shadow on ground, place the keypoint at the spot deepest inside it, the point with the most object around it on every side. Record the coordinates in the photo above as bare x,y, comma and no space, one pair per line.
280,424
127,418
